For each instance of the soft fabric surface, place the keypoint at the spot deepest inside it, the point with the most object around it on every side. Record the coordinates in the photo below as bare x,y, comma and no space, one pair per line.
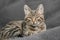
13,10
52,34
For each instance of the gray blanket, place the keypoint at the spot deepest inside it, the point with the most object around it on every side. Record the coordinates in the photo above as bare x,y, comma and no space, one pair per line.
13,10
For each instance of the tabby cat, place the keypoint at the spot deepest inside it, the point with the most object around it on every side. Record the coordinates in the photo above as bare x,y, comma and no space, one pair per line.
33,23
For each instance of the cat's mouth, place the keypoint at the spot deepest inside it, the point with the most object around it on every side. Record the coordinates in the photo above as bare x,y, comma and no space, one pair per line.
33,28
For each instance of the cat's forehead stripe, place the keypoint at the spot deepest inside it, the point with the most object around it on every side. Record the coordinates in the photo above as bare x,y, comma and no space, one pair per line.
33,12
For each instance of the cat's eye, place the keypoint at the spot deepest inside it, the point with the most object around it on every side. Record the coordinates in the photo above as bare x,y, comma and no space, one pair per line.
28,19
39,20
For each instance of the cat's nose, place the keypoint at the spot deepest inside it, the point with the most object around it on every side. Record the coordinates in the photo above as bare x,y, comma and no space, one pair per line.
34,23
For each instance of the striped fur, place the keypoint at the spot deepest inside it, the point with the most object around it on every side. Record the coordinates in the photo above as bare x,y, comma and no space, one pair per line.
33,23
34,20
12,29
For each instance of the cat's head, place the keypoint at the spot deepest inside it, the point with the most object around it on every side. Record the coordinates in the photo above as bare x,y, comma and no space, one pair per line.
34,17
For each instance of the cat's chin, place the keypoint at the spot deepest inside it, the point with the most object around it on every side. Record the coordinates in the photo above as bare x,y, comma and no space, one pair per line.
34,29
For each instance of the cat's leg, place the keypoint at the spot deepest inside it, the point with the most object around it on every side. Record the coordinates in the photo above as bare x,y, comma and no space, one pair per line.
43,27
10,31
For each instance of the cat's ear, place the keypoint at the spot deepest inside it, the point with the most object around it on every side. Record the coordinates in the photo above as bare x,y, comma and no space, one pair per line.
27,10
40,9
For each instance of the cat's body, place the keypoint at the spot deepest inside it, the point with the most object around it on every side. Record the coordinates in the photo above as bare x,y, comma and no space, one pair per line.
33,23
12,29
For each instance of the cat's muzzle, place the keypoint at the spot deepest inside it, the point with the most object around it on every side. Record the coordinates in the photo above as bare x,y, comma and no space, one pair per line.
34,26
